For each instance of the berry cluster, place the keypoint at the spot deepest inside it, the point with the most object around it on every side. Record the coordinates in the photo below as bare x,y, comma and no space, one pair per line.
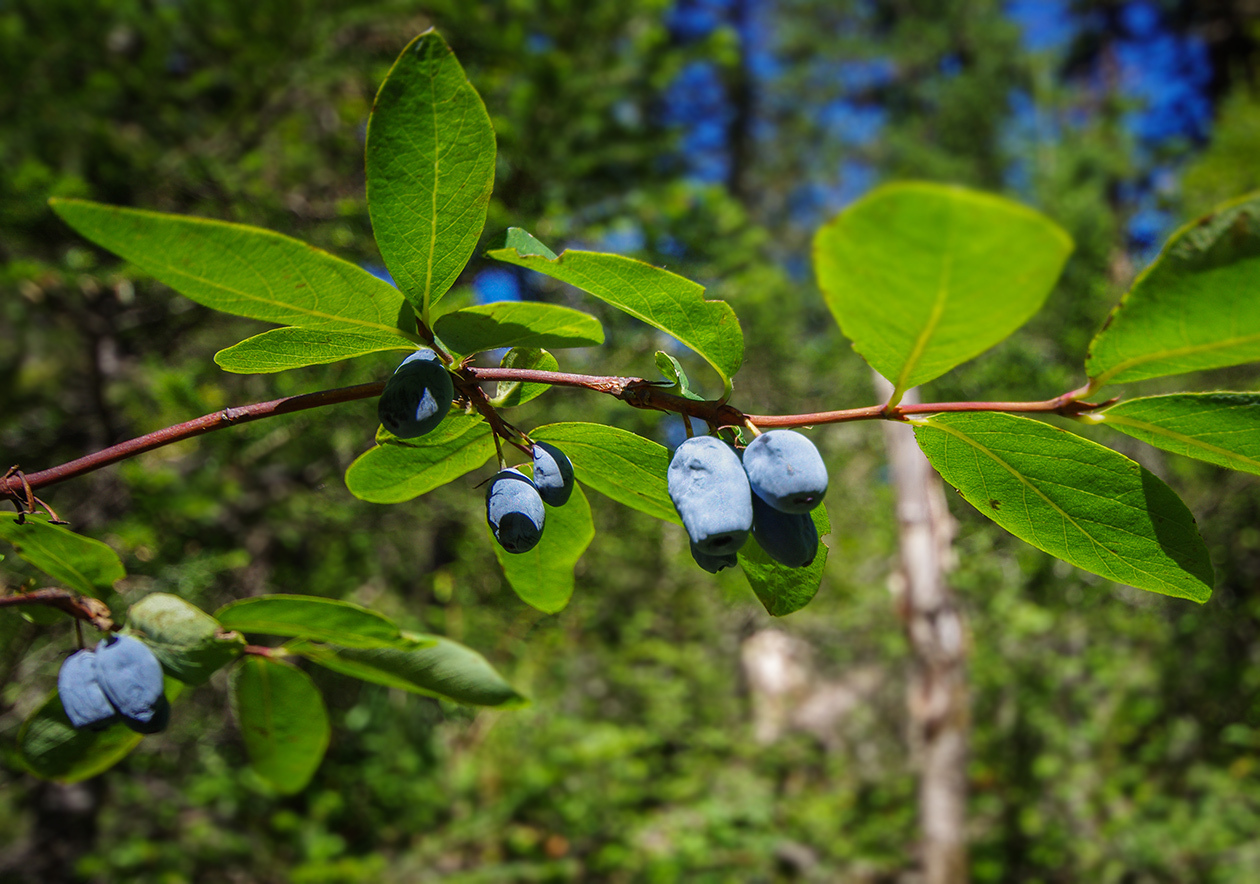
120,681
769,492
419,394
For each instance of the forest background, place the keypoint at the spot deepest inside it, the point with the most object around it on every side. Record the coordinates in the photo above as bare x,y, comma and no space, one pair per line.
1116,734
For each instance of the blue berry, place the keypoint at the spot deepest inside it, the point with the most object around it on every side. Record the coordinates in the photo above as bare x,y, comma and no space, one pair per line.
710,491
788,538
417,396
713,564
553,474
786,471
131,678
515,511
81,696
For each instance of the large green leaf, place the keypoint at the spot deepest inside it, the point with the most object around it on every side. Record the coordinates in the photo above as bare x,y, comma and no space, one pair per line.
617,463
1221,428
517,324
283,348
1196,307
53,749
922,277
77,562
1075,499
240,269
304,616
435,667
430,169
190,644
543,577
400,470
782,589
508,394
664,300
282,720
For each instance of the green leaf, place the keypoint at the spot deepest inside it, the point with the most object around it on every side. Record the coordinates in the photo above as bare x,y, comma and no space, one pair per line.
77,562
438,667
304,616
673,371
1075,499
53,749
524,243
1220,428
283,348
402,469
190,644
1196,307
242,270
543,577
922,277
282,720
622,465
662,299
781,589
517,324
508,394
430,169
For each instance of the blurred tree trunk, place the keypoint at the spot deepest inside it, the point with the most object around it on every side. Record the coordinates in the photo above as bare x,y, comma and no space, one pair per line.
937,700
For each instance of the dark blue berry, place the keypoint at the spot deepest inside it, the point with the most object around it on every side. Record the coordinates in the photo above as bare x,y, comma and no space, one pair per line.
710,491
417,396
131,678
788,538
553,474
81,696
786,471
515,511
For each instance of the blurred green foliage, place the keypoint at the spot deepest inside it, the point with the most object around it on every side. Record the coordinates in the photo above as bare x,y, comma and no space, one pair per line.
1117,735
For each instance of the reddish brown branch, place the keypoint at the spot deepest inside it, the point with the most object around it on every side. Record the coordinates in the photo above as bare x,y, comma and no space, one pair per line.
80,607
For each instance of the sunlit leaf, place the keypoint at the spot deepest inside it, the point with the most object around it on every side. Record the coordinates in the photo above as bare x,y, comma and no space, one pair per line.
320,619
430,169
1072,498
1220,428
781,589
517,324
922,277
282,720
283,348
403,469
76,562
1196,307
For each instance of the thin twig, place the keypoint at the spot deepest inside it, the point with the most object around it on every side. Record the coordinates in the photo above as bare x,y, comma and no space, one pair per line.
80,607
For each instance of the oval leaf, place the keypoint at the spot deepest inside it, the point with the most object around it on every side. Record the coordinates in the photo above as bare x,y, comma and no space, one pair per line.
783,590
304,616
1220,428
1072,498
517,324
616,463
1196,307
398,470
508,394
53,749
922,277
190,644
283,348
663,300
77,562
437,667
282,720
543,577
430,169
240,269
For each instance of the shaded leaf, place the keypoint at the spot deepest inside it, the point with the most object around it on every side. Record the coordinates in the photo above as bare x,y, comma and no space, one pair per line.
435,667
783,590
1220,428
511,393
430,169
616,463
517,324
190,644
313,617
52,749
282,720
400,470
1196,307
284,348
922,277
239,269
1072,498
76,562
663,300
543,577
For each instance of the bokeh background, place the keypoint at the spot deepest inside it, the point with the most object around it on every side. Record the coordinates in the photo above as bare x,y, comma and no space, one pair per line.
1116,733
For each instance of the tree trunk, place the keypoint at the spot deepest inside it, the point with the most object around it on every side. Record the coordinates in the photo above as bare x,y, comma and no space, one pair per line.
937,701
